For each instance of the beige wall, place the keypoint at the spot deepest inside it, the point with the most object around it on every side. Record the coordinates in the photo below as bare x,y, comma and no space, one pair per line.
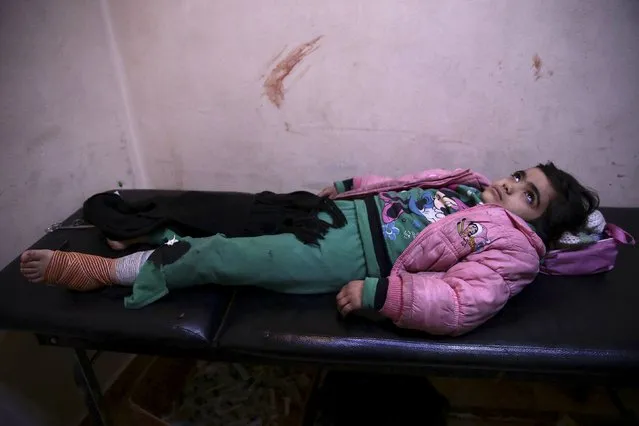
394,86
63,136
164,93
63,130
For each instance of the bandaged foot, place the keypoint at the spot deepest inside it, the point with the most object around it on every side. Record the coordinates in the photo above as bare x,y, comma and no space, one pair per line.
77,271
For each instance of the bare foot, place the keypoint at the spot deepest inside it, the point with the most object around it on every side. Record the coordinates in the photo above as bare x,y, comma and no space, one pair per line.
33,264
124,244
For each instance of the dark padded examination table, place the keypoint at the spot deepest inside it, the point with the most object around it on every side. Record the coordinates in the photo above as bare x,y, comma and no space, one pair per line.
572,328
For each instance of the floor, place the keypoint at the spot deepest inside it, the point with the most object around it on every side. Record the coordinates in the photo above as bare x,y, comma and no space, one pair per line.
473,401
37,382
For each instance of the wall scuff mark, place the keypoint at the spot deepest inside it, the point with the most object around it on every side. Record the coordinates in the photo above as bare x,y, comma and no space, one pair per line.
274,83
536,65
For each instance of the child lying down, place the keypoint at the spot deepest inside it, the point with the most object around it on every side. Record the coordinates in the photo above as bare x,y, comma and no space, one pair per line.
439,251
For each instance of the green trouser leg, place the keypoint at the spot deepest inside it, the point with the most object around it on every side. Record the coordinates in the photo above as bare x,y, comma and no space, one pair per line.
277,262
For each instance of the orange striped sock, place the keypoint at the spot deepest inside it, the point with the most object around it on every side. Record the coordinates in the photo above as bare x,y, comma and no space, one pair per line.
79,271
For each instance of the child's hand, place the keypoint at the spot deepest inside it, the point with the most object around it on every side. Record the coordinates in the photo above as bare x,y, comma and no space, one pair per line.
329,192
349,298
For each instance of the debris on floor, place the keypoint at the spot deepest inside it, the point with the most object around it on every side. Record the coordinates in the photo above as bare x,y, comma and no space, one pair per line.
225,394
182,392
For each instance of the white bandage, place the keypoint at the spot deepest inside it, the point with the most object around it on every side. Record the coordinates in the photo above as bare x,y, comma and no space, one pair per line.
128,267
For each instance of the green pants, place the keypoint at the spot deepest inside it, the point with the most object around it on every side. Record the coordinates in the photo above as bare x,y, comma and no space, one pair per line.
276,262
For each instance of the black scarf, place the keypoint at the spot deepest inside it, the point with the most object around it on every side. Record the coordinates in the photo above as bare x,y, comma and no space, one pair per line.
202,214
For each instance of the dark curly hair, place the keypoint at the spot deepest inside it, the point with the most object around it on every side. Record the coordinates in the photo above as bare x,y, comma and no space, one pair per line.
570,207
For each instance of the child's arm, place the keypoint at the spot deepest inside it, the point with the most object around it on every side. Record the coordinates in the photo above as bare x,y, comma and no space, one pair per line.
452,302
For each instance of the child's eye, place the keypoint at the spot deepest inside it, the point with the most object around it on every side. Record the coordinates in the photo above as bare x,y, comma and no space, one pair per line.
530,197
517,176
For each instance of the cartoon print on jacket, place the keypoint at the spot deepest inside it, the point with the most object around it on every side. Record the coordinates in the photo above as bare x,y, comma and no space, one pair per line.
446,201
428,206
390,230
473,234
425,206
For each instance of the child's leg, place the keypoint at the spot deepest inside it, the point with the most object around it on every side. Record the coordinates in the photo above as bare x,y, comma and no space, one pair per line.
124,244
156,238
278,262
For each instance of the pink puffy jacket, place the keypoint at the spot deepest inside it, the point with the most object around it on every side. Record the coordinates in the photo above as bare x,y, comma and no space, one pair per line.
460,270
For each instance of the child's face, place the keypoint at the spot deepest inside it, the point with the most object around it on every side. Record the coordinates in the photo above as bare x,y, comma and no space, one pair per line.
526,193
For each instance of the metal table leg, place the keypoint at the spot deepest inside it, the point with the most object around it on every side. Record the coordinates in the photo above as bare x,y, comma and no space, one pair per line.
85,378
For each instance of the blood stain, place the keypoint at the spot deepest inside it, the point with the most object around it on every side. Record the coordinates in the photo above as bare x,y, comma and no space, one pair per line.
274,83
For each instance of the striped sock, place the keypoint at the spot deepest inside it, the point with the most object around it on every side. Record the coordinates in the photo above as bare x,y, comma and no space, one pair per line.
80,271
128,267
